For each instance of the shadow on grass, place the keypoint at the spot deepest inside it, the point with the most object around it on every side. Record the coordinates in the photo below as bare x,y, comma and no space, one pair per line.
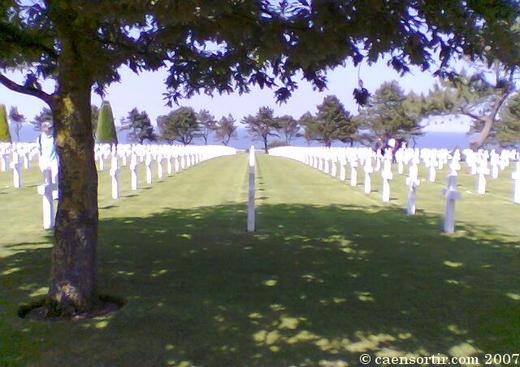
313,285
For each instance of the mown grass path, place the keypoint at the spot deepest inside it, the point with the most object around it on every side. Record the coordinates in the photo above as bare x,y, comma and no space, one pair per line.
329,274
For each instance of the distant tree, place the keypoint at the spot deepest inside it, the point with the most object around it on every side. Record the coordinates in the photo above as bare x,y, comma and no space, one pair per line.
332,122
180,125
45,115
106,129
262,125
308,123
507,132
17,119
207,124
226,129
289,128
140,126
5,135
390,114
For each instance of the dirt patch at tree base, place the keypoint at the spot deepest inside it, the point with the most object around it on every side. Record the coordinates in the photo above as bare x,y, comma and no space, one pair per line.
39,311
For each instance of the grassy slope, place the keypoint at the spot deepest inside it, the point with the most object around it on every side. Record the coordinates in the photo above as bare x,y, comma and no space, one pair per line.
329,274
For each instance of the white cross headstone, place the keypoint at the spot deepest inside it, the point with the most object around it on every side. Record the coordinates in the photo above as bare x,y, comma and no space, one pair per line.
342,164
3,162
452,195
412,182
386,175
114,174
159,166
26,160
148,164
16,166
47,190
333,166
368,170
353,172
433,171
251,192
169,166
101,162
134,164
483,170
516,179
177,161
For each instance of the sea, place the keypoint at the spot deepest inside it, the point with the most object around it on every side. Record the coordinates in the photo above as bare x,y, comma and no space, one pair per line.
448,140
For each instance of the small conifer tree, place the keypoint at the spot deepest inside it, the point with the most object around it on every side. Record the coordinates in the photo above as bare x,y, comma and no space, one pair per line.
5,135
106,130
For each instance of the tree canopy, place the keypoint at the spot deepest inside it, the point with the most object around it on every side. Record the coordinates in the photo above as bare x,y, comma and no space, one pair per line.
140,126
179,125
391,114
331,122
226,128
262,125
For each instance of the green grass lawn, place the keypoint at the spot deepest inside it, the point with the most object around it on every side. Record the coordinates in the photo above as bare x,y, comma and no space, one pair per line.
330,273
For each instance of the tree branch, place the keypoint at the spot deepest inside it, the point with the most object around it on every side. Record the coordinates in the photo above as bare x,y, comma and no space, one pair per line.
31,91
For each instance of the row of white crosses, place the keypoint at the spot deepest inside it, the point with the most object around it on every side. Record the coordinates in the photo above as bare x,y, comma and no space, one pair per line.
16,157
327,159
176,157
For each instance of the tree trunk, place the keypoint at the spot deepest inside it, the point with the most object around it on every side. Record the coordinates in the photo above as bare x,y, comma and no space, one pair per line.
483,135
73,275
266,149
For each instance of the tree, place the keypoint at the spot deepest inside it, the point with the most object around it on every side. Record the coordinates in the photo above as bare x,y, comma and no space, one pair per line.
106,129
507,133
480,95
179,125
17,119
5,135
140,126
391,114
289,127
82,44
207,124
332,122
45,115
226,129
262,125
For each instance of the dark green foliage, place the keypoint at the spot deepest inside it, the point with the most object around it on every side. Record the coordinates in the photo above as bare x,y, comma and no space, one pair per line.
140,126
332,122
207,124
45,115
17,119
180,125
262,125
507,132
391,114
106,129
226,129
5,135
289,127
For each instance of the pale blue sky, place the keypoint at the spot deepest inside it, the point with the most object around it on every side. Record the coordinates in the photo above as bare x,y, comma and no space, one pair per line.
145,90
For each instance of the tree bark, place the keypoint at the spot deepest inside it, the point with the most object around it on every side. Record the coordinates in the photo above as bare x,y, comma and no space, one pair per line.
73,274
